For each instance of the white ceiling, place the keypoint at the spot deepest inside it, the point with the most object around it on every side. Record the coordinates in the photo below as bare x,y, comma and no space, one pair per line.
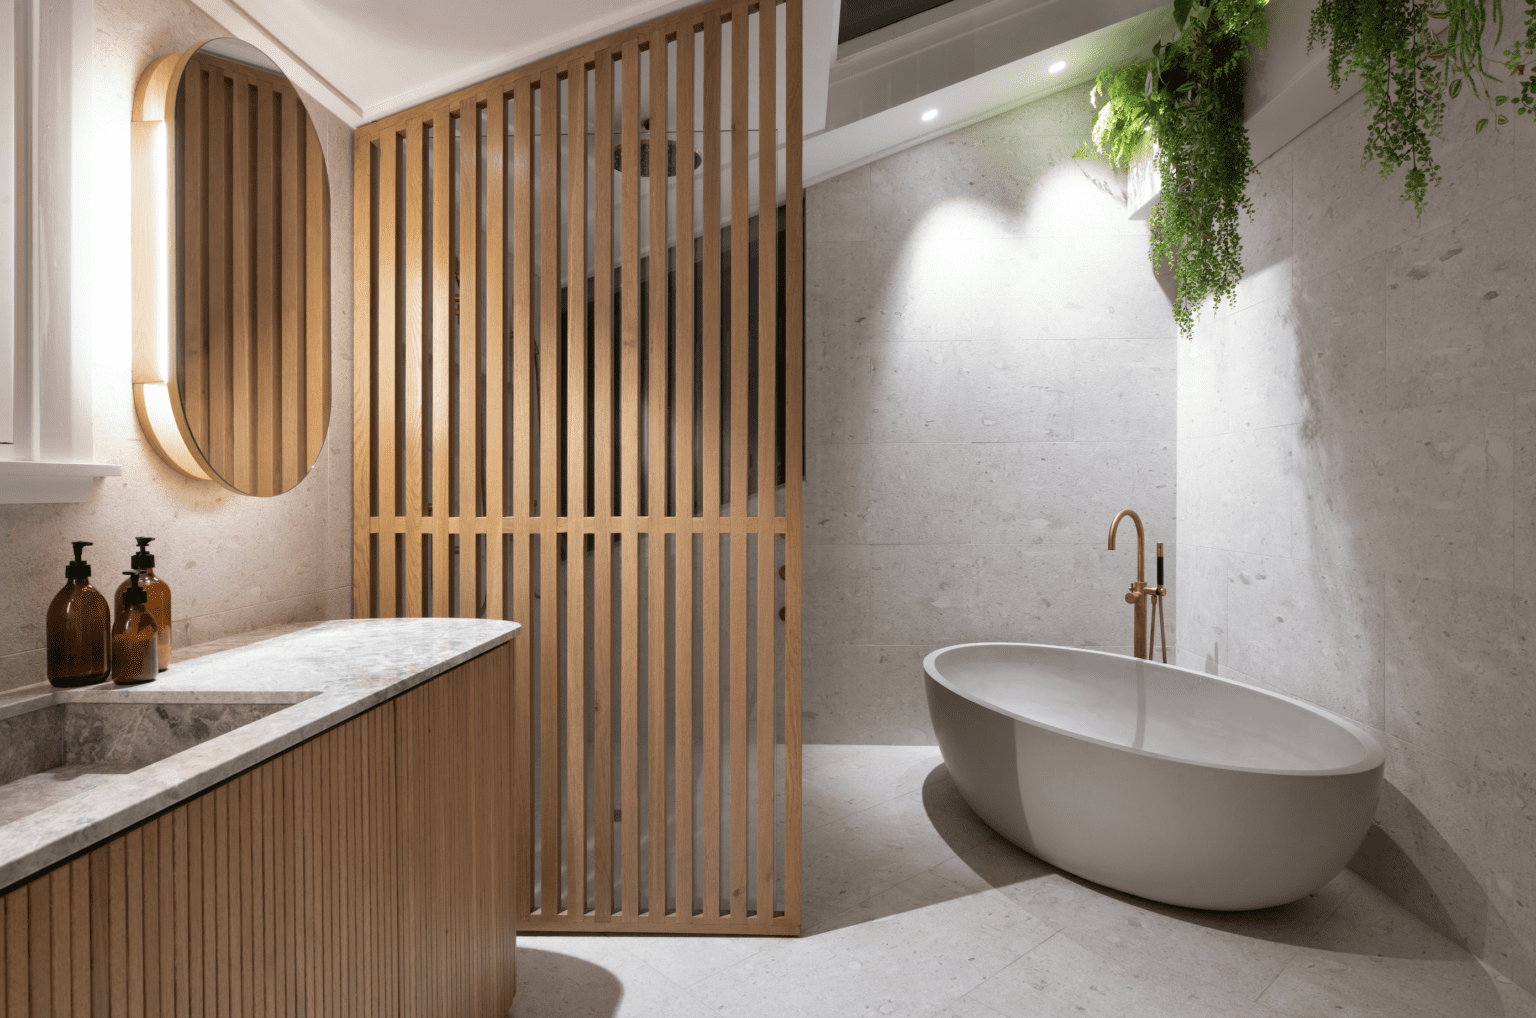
968,59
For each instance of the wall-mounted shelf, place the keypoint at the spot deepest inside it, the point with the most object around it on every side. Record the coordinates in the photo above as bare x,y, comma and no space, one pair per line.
25,481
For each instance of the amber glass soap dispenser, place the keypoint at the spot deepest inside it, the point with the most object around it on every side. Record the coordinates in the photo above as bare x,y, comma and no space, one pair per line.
79,629
135,656
159,594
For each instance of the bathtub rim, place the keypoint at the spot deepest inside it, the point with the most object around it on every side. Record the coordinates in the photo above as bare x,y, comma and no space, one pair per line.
1375,755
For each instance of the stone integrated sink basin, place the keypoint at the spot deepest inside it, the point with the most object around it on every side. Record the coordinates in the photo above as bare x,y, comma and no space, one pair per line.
56,750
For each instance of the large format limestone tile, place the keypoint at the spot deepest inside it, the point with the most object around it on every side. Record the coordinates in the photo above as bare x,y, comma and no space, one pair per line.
593,977
1235,490
1373,960
1260,376
1459,668
1310,630
841,780
1200,406
913,950
1064,978
850,860
890,493
847,291
1200,587
1343,323
945,387
1453,846
1525,484
1425,490
1069,492
856,693
1346,210
1269,233
1121,389
937,595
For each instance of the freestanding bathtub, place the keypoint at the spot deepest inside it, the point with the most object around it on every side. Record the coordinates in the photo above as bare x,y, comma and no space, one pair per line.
1159,781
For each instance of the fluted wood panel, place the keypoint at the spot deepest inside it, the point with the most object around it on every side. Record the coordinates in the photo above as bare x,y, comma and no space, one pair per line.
253,343
577,402
359,874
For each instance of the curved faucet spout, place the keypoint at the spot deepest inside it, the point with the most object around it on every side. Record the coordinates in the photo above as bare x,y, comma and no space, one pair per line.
1141,541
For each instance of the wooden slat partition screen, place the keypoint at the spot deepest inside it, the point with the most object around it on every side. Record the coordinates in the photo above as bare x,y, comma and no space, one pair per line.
354,876
253,336
577,400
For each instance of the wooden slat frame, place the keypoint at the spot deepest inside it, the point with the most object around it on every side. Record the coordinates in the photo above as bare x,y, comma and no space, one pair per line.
622,471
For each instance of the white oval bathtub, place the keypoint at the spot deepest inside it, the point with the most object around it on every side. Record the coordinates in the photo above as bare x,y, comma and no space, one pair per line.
1155,780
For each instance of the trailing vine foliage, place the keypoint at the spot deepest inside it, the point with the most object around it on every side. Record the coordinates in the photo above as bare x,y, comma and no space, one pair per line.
1184,104
1408,72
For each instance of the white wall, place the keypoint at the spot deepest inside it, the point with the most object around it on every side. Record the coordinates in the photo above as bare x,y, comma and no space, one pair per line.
233,562
1357,498
990,378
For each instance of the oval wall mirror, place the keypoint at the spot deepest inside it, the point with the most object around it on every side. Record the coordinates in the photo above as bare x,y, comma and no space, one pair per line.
231,273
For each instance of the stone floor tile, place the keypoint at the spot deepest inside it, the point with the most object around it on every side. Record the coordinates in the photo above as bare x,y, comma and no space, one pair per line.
592,977
840,781
912,950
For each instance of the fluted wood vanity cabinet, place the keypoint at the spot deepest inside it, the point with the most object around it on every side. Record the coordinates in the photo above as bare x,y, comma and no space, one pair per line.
366,872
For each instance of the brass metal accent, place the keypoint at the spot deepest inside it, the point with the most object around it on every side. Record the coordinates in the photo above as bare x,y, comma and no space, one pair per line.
1141,592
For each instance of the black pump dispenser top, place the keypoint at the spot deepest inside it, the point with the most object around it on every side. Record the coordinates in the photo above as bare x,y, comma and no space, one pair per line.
135,594
144,559
79,569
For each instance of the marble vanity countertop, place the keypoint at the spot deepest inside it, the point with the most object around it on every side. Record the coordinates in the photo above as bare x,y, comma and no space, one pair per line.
321,673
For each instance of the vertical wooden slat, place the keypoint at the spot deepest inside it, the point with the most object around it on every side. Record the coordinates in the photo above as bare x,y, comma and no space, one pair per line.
794,286
152,875
243,308
133,901
267,297
495,347
317,296
767,402
186,836
442,324
469,350
63,936
575,498
629,438
386,339
40,946
683,613
602,489
18,962
220,177
291,142
710,453
520,371
656,548
194,216
80,937
415,352
549,497
365,359
740,197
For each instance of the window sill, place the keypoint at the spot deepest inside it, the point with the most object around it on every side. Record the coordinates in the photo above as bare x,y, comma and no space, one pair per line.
23,481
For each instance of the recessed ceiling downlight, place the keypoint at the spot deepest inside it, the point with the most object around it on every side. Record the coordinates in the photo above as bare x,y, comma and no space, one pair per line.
930,115
1057,67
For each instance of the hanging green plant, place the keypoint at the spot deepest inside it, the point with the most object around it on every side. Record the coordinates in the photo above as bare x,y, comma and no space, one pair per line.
1411,57
1184,106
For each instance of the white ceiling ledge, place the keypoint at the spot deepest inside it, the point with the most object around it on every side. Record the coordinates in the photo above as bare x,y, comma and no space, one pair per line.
979,88
24,482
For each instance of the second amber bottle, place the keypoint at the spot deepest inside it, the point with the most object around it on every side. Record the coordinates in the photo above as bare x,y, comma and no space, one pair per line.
135,656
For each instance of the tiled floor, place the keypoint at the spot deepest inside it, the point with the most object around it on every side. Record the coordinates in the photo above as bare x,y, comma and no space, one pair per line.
913,907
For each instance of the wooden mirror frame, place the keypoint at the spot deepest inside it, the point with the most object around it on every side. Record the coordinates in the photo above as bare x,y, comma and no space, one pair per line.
158,393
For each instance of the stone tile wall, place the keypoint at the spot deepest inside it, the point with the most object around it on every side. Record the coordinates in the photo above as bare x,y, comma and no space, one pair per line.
990,378
234,562
1357,498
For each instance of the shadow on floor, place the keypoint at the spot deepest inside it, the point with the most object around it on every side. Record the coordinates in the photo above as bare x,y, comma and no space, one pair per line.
549,983
1003,865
